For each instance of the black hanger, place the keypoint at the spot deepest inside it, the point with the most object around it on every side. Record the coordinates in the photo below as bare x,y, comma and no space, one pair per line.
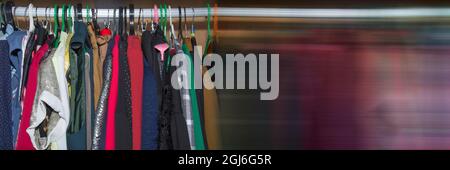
9,15
180,29
79,12
2,12
94,20
125,23
120,21
131,19
141,24
114,22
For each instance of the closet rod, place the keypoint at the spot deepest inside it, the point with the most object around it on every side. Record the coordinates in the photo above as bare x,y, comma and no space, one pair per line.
271,12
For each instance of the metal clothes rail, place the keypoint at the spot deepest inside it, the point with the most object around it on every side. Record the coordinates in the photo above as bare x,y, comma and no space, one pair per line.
266,12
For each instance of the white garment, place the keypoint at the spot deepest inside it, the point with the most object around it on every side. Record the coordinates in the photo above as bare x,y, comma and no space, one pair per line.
58,63
52,92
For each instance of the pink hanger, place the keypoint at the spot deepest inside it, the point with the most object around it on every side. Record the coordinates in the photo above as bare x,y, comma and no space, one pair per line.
161,48
155,14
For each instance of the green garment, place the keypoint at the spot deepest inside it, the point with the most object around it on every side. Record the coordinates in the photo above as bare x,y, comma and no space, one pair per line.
198,133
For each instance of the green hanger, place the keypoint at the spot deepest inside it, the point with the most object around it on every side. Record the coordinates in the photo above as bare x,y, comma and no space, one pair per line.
1,16
209,22
88,15
165,19
63,22
208,39
69,19
55,20
160,16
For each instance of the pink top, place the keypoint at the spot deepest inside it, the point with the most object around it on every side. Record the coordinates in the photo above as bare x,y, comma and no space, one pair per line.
110,118
23,139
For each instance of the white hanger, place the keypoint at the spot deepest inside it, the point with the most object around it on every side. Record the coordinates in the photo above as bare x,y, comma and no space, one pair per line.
73,18
171,24
30,18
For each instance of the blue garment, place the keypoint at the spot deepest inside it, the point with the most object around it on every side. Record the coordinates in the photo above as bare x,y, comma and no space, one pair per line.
9,31
150,108
15,57
6,142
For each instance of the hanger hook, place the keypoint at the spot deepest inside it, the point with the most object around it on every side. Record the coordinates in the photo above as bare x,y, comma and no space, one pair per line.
107,20
36,14
14,14
193,21
26,12
44,21
46,17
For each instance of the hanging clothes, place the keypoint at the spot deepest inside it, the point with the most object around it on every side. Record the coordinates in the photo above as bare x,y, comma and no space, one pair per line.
136,66
48,121
113,94
58,64
15,40
195,103
23,139
76,139
211,108
6,136
186,102
94,84
151,92
173,123
98,142
102,45
123,111
201,133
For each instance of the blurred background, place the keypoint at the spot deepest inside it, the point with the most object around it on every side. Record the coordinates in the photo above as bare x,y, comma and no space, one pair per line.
345,83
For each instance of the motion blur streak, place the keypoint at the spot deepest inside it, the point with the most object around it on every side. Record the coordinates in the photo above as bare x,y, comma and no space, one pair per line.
344,84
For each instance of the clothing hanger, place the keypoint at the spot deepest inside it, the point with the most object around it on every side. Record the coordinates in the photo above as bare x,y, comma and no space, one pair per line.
72,18
139,24
192,24
31,27
70,13
131,19
163,46
45,20
125,22
185,23
142,23
165,21
114,29
9,15
161,16
208,39
172,36
56,22
180,23
209,22
94,20
215,23
15,18
79,12
155,19
88,15
36,18
2,13
64,18
120,21
107,22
